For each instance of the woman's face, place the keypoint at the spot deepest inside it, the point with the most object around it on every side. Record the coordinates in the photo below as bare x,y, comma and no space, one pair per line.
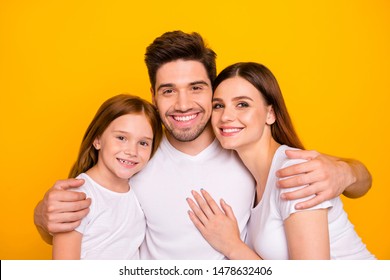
240,114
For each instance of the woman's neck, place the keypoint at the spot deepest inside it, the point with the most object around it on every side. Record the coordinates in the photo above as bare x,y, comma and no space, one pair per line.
258,159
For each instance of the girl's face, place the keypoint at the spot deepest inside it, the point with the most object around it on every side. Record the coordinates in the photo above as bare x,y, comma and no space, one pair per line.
240,114
125,146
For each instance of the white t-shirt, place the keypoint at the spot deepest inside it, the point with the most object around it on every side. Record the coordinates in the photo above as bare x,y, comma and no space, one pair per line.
115,226
163,186
266,231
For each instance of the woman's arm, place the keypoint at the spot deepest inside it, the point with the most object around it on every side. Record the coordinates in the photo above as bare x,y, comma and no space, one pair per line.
325,176
218,226
67,246
308,235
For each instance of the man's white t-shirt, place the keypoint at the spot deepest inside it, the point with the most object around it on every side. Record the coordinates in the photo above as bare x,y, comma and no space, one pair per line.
163,186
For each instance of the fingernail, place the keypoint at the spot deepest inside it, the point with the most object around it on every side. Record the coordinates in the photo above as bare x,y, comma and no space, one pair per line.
283,196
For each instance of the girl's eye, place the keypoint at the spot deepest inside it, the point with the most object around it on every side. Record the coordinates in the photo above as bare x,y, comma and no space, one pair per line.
217,106
121,138
144,143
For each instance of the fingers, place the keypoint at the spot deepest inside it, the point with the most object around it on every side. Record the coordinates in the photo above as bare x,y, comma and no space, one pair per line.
205,207
311,202
64,196
211,202
204,203
320,195
197,215
303,179
228,210
66,221
301,193
302,154
68,183
299,168
68,206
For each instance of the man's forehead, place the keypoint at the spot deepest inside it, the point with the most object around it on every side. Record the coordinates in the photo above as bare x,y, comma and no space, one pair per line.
181,72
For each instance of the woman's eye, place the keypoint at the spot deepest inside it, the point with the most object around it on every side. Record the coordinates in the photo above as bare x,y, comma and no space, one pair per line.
217,106
242,104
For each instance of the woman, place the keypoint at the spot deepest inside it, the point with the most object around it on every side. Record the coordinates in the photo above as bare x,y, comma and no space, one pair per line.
250,117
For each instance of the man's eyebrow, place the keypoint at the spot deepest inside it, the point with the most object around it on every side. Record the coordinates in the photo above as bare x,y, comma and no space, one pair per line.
165,85
200,82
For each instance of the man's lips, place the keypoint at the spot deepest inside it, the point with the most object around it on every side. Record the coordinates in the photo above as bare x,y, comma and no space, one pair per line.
184,118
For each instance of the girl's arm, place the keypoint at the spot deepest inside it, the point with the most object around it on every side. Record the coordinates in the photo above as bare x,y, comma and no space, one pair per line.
218,226
307,235
67,245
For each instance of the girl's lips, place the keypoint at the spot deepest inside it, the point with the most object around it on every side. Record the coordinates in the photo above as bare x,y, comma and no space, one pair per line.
127,163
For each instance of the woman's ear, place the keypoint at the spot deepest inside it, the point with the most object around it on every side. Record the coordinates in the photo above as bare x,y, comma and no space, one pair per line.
96,144
271,118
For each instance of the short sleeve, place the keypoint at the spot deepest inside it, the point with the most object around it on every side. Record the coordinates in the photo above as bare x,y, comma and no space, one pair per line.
85,189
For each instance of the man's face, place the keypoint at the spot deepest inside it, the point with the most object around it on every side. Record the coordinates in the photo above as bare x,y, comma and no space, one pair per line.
183,96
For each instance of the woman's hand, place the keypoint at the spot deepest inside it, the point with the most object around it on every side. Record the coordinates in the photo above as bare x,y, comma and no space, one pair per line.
218,226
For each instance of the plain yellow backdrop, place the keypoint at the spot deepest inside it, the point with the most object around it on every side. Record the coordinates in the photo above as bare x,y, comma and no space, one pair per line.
59,60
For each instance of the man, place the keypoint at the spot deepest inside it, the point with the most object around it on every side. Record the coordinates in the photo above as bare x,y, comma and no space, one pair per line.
181,70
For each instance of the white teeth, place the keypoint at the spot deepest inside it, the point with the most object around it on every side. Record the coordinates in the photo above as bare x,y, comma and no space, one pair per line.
126,162
231,130
184,118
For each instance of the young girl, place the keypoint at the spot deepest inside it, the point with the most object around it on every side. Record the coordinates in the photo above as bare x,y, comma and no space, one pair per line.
250,116
118,143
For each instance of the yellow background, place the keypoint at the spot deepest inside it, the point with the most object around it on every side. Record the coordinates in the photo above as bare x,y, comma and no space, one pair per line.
59,60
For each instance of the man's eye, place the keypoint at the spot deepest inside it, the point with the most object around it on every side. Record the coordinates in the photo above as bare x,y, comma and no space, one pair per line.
196,88
167,91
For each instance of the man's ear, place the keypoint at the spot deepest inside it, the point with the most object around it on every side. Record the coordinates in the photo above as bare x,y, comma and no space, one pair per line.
153,96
